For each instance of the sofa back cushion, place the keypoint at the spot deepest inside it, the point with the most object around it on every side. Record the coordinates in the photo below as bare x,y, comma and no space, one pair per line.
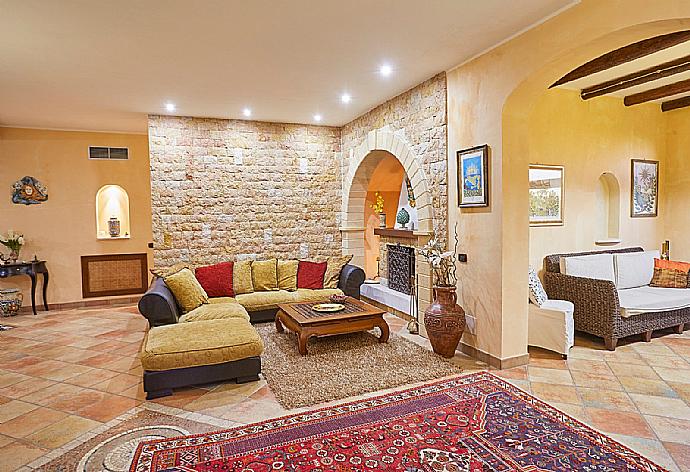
242,277
634,269
216,279
595,266
287,275
265,275
333,268
188,293
310,274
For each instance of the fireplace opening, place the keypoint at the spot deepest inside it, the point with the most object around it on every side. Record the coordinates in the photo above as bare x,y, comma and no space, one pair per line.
401,268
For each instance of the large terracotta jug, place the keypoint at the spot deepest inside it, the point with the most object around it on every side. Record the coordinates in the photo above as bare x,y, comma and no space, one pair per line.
444,321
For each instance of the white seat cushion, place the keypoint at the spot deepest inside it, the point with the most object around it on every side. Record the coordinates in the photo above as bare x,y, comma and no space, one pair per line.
639,300
551,326
594,266
634,269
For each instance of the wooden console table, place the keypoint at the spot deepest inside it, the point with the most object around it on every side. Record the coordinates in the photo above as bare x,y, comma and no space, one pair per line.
31,269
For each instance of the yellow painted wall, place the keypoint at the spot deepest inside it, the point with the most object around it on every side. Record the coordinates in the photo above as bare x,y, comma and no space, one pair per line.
589,138
678,183
64,228
490,100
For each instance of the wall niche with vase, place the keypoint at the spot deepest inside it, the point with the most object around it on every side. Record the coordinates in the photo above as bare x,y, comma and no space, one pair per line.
112,213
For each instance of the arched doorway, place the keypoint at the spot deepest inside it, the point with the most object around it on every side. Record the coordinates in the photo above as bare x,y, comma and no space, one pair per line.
364,159
528,110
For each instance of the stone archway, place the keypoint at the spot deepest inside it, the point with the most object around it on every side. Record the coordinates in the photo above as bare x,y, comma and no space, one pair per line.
356,175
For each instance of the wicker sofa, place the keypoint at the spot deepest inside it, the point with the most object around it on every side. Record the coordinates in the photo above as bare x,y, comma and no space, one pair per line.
597,305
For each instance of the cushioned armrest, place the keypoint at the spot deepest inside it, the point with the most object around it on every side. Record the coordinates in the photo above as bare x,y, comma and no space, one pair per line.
351,279
597,308
158,304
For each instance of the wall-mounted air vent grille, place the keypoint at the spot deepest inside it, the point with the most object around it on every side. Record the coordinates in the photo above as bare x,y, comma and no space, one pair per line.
116,153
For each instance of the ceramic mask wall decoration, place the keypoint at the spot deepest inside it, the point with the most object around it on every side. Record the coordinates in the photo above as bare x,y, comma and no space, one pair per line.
29,191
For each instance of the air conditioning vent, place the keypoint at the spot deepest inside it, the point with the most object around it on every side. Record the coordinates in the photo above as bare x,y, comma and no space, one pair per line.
116,153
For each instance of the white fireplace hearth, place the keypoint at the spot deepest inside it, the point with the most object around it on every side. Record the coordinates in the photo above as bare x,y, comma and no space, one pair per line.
387,296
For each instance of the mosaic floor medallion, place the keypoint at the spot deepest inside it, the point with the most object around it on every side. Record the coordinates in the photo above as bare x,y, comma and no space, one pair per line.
116,453
112,449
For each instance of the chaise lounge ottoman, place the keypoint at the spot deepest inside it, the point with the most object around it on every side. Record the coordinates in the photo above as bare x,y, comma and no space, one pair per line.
184,354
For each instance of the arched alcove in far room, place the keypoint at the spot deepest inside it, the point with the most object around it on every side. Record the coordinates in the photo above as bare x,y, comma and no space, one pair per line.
112,201
608,213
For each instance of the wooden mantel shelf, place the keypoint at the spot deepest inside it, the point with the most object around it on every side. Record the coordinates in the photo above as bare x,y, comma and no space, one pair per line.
395,233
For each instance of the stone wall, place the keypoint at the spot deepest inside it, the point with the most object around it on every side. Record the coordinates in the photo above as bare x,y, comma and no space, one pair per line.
225,189
419,117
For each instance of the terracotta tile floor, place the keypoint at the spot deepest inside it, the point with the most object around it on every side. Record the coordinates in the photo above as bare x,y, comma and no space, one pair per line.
63,374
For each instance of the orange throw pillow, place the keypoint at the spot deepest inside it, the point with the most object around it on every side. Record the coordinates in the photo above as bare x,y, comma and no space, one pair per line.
676,265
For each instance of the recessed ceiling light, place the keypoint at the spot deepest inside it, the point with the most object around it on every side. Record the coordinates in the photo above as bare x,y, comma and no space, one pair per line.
346,98
385,70
170,106
317,117
247,112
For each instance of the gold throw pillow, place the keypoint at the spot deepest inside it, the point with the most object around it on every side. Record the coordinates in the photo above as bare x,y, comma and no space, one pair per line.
287,275
669,278
265,275
333,268
187,290
163,272
242,277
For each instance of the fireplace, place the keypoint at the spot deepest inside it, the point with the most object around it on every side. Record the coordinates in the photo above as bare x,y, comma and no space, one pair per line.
401,268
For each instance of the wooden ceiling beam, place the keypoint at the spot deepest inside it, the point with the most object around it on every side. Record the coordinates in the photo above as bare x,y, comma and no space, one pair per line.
657,93
644,76
675,104
625,54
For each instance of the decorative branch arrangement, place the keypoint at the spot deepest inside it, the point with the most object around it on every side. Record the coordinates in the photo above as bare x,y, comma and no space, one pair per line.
442,263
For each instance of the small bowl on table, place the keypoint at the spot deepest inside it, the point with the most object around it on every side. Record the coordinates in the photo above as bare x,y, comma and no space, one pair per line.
336,298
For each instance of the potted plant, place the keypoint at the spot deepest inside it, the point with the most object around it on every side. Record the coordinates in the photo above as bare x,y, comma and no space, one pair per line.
377,206
444,319
13,241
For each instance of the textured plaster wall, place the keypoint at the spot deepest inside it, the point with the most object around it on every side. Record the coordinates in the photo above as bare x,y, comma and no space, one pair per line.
419,117
677,183
63,229
589,138
224,189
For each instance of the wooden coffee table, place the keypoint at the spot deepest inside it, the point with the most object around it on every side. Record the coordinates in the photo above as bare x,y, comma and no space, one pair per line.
305,322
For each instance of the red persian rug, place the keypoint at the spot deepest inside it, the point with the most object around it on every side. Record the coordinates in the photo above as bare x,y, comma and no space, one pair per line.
471,423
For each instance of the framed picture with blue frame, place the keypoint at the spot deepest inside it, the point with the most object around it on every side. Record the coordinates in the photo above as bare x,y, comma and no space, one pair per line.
473,177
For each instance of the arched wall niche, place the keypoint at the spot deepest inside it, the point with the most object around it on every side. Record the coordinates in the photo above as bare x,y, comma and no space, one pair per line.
608,216
112,201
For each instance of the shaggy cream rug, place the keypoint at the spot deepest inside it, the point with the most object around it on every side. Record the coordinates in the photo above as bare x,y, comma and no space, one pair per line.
342,366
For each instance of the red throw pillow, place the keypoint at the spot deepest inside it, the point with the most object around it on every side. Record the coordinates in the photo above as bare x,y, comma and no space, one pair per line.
216,279
310,274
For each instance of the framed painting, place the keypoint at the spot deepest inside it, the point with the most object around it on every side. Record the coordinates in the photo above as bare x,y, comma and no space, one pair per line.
644,188
473,177
546,195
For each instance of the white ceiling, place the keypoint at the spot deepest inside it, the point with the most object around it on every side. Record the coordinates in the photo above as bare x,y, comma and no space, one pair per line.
106,64
645,62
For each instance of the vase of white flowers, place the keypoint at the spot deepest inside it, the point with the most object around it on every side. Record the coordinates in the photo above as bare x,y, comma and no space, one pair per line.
14,242
444,319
